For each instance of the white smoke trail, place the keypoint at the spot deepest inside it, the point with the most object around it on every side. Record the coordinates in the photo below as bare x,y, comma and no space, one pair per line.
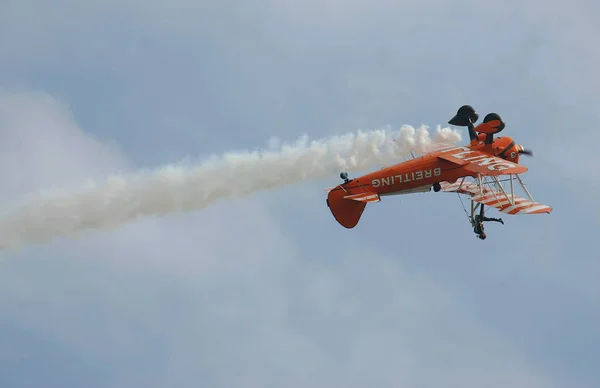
120,199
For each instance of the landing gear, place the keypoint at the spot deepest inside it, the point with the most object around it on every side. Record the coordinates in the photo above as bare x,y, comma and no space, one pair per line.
437,187
344,176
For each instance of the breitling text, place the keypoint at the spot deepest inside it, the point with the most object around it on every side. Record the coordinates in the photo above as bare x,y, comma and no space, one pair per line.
408,177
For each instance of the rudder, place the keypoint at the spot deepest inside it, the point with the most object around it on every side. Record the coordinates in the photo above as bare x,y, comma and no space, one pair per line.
346,211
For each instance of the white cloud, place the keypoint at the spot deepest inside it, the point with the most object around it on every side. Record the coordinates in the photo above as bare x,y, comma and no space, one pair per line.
270,67
42,146
169,78
220,297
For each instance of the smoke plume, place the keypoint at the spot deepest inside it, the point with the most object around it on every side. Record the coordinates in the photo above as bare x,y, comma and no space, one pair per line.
174,188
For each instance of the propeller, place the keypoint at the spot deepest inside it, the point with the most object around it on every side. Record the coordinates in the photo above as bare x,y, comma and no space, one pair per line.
524,151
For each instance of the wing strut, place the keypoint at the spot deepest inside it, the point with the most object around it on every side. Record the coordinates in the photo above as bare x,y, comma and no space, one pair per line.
525,188
511,199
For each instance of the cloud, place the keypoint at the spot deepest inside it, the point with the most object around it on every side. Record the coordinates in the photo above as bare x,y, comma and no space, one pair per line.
201,298
306,325
42,147
268,67
168,79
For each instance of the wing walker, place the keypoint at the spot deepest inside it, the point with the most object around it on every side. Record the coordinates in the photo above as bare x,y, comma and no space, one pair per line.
486,171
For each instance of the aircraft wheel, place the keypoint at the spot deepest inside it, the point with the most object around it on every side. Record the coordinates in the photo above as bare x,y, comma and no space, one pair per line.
437,187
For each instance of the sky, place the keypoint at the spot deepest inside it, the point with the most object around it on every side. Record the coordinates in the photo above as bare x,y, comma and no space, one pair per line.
269,290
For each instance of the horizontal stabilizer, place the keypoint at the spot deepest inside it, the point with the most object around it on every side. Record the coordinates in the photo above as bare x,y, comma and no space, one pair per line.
364,197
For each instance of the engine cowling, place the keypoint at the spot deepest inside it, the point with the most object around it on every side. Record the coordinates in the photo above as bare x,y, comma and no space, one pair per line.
506,148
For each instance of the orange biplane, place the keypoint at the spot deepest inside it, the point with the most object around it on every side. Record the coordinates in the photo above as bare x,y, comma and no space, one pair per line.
480,170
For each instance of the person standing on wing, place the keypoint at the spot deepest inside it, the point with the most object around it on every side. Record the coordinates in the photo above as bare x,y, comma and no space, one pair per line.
478,223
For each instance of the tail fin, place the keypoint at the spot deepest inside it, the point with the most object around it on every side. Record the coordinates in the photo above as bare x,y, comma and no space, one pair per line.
347,208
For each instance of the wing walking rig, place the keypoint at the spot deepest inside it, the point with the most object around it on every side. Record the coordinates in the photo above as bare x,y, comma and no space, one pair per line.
487,171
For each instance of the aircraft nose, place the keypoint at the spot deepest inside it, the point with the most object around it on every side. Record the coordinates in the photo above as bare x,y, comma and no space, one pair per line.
525,151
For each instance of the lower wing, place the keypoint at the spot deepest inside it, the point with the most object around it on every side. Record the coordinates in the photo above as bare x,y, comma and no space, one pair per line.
504,202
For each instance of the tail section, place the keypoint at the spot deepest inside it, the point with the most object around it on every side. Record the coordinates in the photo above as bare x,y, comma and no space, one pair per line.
347,207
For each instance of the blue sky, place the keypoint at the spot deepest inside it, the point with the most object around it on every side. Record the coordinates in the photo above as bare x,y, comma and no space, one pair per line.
270,290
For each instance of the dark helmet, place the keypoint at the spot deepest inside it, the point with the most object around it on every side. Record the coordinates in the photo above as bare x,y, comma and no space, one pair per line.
466,114
482,236
494,116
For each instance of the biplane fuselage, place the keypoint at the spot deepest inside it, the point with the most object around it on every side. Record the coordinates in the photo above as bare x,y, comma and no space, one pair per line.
440,170
421,173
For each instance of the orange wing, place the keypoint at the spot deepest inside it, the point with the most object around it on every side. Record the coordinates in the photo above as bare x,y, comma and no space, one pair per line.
482,163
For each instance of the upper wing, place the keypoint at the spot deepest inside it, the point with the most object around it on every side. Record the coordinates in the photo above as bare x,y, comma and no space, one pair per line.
482,163
497,199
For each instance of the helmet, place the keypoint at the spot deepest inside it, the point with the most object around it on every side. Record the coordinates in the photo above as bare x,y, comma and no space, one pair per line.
482,236
465,115
494,117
